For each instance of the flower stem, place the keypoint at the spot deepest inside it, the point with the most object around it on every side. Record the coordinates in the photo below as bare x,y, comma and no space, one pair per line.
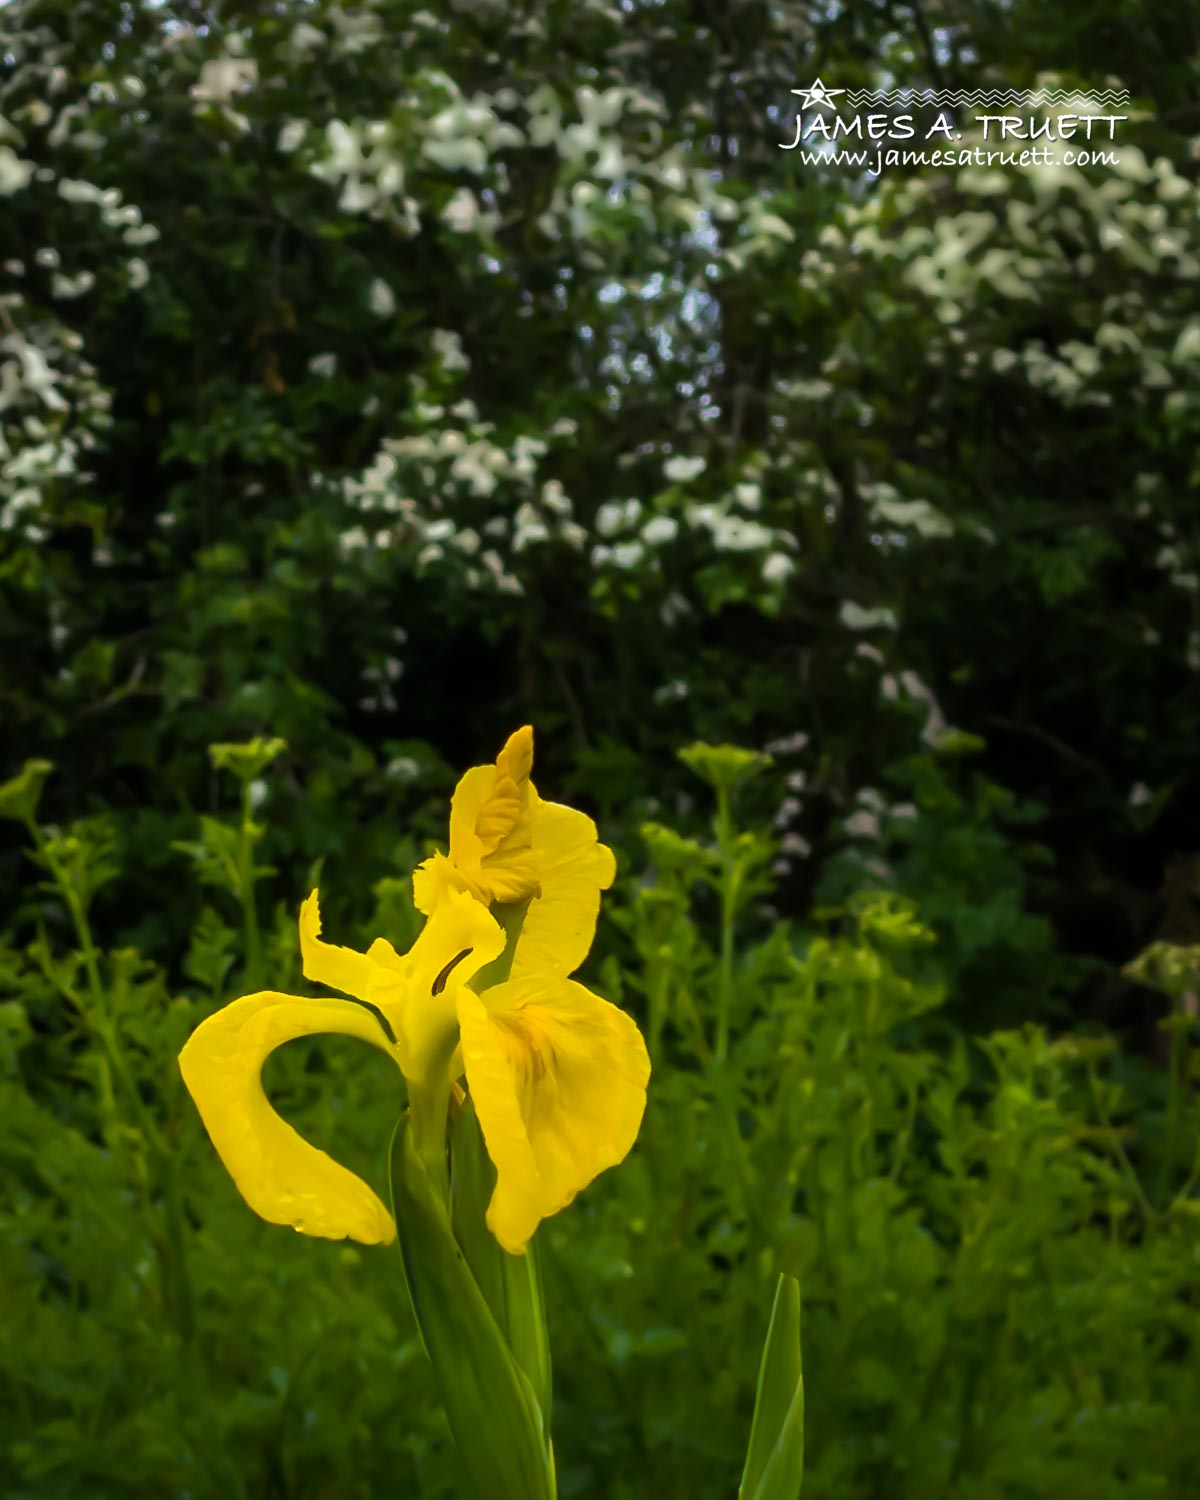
428,1106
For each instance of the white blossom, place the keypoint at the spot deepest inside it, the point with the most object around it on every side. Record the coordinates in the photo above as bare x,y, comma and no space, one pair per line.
660,530
223,77
448,349
681,468
855,617
381,298
862,824
14,173
461,213
65,288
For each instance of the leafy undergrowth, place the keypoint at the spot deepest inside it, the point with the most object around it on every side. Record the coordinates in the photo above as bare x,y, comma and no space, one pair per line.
996,1239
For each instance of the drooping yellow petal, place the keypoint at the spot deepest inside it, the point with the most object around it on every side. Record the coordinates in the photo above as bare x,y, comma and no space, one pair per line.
325,963
283,1178
416,993
559,1081
573,867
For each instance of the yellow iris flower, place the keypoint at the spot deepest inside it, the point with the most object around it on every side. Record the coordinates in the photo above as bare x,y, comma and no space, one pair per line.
558,1075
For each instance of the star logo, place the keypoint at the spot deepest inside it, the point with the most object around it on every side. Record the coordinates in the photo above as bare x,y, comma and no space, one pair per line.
817,93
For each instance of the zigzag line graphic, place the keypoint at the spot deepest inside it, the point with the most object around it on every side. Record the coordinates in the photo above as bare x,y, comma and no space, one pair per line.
988,94
975,100
985,96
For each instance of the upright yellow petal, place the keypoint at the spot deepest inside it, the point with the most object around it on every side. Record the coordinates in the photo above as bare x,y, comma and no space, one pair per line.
281,1177
416,993
515,761
559,1081
573,867
507,845
491,826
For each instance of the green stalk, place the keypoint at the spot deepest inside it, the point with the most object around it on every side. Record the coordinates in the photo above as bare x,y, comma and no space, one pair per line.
428,1106
1179,1044
246,881
728,908
1127,1168
171,1250
511,1284
97,1019
499,1429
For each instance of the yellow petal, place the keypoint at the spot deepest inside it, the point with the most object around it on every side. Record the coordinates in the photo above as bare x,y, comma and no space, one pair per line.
573,867
281,1177
516,759
470,804
382,954
491,824
559,1082
417,992
505,802
433,880
325,963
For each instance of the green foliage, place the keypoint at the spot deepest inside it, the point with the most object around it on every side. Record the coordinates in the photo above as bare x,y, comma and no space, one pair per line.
994,1291
19,797
995,1240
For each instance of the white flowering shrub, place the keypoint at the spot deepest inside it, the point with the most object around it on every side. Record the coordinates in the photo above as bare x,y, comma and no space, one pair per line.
86,244
356,362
